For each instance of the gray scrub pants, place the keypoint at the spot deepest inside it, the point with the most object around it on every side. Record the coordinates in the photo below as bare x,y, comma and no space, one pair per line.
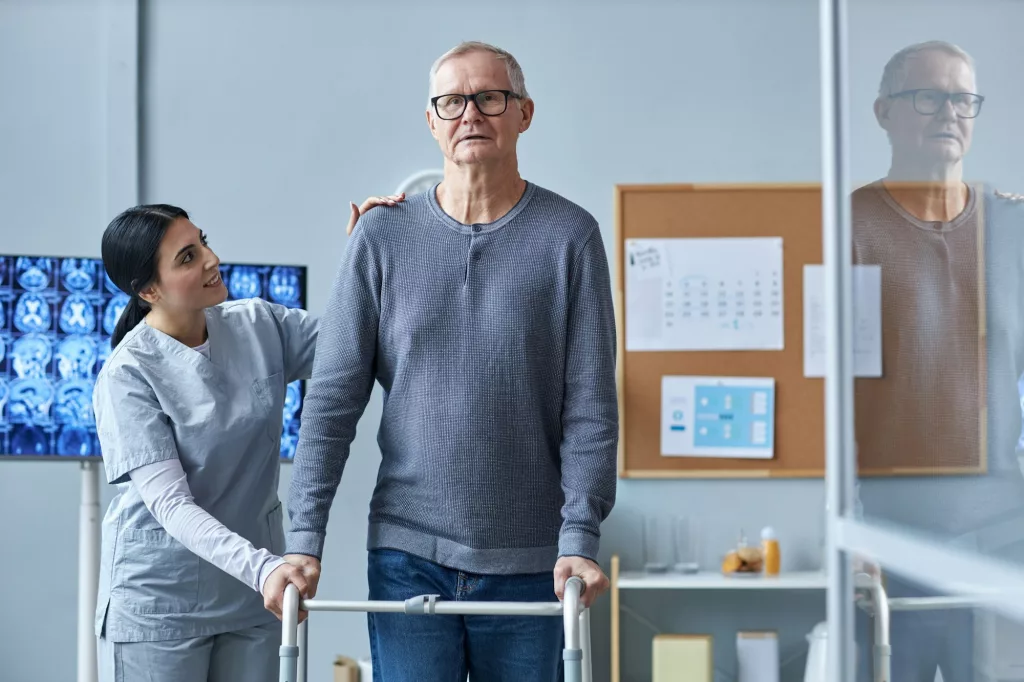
242,656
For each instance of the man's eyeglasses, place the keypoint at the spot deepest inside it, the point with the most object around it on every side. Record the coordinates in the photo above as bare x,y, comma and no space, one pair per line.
488,103
928,102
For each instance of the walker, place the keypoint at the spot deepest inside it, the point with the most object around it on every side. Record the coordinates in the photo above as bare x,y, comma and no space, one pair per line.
576,654
878,603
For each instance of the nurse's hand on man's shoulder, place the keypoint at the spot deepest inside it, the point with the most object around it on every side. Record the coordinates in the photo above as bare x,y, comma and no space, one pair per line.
357,211
273,589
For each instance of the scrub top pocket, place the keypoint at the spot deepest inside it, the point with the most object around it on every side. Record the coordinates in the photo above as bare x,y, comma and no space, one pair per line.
270,392
154,573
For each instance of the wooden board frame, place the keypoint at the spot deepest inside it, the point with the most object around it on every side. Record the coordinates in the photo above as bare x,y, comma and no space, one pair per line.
800,447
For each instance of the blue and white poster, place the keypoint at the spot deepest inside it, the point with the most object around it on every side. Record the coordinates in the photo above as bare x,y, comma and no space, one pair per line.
718,417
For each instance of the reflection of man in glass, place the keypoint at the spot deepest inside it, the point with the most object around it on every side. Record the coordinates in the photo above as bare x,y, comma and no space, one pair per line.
953,342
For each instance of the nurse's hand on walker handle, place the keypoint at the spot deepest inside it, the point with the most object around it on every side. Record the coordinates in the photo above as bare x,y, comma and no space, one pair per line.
302,571
357,211
273,590
593,577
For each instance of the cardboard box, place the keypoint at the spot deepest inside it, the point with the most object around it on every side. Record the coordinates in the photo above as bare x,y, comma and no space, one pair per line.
346,669
682,658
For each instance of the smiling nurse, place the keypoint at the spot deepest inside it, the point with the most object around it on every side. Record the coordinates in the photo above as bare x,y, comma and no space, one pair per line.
188,412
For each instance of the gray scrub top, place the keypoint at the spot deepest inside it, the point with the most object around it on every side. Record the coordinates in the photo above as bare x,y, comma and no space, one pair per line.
156,399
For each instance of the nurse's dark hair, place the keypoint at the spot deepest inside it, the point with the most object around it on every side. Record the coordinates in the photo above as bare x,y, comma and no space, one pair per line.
130,247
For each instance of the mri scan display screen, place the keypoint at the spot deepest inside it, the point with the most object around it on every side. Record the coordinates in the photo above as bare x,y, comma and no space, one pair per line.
56,318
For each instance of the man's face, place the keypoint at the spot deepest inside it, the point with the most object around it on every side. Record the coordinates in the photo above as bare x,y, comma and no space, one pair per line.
941,138
474,137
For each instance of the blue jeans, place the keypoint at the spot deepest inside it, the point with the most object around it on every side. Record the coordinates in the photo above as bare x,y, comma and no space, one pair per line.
447,648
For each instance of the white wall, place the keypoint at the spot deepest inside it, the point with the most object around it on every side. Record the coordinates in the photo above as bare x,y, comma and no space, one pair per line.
264,118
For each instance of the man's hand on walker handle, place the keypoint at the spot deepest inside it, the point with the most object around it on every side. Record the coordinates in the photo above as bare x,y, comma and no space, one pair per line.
593,577
273,590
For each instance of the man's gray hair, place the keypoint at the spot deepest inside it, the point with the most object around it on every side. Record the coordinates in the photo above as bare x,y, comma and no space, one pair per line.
894,76
516,79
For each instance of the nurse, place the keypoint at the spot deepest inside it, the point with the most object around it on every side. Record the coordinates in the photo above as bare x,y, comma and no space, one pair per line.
188,411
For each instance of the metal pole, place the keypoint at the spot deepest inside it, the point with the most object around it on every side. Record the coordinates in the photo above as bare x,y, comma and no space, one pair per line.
303,671
289,651
840,455
588,670
88,569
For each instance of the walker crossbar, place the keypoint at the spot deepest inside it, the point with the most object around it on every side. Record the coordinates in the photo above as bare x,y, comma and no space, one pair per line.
576,619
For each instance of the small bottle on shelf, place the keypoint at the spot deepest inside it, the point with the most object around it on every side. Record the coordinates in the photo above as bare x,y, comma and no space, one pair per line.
770,549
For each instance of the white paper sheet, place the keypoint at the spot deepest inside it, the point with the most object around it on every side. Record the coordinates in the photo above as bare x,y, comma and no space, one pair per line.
867,323
717,417
704,294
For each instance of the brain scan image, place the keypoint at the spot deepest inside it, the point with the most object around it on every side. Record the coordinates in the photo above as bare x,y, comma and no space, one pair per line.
30,356
285,286
244,282
77,315
107,282
30,401
112,313
57,316
32,314
78,274
75,441
33,274
73,403
76,357
29,440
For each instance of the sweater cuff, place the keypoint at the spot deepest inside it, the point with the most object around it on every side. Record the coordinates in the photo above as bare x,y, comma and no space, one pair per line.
579,544
304,542
267,569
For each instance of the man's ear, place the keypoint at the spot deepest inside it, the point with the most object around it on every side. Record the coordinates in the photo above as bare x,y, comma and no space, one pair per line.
882,106
526,107
431,123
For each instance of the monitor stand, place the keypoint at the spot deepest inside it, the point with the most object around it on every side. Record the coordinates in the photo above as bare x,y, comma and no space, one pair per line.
88,569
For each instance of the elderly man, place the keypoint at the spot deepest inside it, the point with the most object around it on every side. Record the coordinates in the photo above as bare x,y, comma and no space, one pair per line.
483,308
952,261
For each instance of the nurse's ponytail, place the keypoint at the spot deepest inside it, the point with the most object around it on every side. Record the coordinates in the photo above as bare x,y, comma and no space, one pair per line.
130,247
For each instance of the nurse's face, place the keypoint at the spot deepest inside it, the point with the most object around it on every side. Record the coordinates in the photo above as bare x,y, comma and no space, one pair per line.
188,271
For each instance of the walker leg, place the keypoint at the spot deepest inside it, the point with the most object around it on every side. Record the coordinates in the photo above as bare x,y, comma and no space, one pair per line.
572,655
303,664
289,651
588,675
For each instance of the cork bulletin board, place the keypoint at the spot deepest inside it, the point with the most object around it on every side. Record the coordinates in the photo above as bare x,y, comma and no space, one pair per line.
792,212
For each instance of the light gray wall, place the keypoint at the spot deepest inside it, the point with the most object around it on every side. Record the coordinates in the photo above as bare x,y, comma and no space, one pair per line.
265,118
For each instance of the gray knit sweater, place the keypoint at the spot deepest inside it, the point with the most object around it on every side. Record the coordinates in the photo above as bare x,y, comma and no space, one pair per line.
495,347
